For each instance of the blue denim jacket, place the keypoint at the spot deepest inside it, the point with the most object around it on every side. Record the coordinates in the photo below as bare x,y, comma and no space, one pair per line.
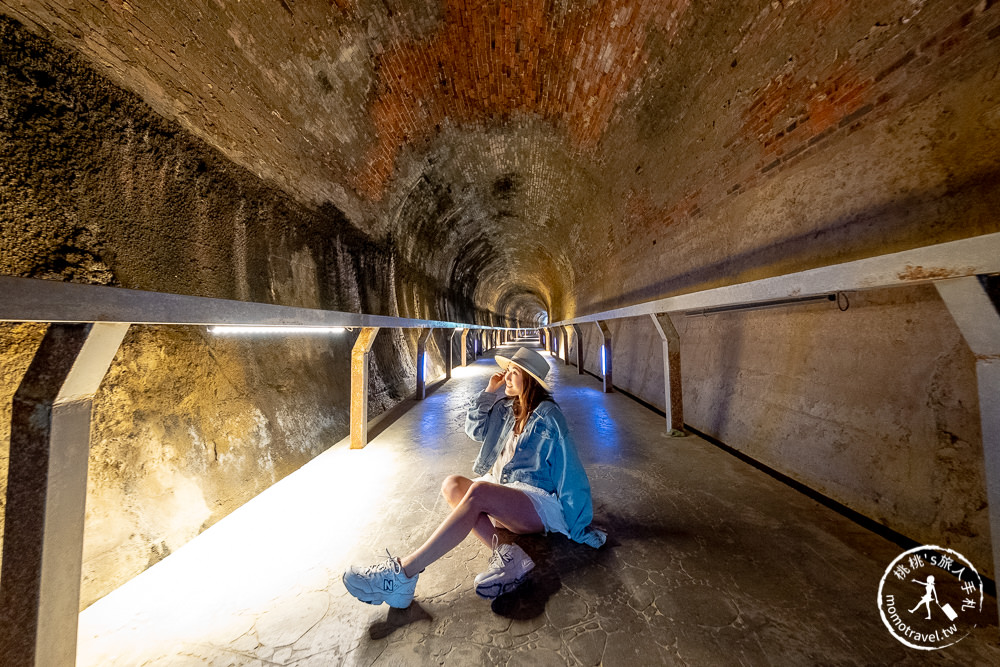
545,457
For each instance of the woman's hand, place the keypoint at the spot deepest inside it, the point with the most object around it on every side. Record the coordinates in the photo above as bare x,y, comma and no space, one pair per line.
496,380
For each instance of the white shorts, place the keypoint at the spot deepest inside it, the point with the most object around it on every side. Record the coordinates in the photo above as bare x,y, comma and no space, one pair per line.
546,505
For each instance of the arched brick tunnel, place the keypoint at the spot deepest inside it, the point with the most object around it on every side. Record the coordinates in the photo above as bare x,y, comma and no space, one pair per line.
507,163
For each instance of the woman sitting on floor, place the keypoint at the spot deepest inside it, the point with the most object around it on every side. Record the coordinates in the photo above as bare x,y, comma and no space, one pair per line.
531,481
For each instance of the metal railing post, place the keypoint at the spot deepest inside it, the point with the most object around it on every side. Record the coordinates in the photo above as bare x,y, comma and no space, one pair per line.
449,358
577,335
421,365
47,493
602,327
976,311
359,386
671,373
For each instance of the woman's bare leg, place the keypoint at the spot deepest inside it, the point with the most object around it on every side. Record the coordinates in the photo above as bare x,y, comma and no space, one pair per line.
454,489
509,506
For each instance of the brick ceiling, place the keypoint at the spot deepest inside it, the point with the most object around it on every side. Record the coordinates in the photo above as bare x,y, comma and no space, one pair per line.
570,156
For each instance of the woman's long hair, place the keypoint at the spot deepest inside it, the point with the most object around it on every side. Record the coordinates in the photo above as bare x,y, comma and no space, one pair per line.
532,394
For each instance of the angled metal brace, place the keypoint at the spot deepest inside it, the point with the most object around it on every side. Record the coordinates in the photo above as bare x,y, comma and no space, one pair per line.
671,373
465,347
421,358
578,336
47,493
974,303
602,327
449,358
359,386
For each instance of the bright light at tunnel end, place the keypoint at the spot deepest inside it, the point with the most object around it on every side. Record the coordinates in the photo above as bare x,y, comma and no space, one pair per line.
242,330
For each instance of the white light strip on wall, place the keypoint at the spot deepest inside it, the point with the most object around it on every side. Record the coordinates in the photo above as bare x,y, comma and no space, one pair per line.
235,330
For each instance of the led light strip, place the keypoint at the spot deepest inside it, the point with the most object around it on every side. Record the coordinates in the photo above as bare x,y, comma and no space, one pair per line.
235,330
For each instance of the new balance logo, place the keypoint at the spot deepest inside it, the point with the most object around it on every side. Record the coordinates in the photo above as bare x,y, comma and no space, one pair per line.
387,585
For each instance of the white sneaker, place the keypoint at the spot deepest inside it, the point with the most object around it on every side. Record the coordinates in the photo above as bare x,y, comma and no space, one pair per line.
382,582
509,565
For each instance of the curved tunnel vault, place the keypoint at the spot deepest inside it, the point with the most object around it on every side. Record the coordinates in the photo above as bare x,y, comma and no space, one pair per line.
496,213
677,139
512,162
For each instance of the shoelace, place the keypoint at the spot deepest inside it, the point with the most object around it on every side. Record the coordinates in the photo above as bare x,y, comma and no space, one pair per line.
389,563
498,559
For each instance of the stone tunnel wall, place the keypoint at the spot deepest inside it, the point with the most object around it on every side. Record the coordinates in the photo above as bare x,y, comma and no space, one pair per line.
95,188
875,407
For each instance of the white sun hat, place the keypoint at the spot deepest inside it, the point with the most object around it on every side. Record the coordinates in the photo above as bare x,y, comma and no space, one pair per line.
528,361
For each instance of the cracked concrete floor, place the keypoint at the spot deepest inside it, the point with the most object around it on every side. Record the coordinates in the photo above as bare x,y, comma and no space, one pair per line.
709,562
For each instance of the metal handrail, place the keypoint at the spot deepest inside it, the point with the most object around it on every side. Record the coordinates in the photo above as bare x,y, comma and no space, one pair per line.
975,255
35,300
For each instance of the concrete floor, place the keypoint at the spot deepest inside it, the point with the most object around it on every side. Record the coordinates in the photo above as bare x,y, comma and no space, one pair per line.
709,562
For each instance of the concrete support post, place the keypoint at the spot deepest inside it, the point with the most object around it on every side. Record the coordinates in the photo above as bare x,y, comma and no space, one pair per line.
421,363
47,493
465,347
577,335
602,327
359,386
671,373
974,302
564,344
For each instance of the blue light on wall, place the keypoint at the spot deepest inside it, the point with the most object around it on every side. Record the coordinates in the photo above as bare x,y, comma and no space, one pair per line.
604,361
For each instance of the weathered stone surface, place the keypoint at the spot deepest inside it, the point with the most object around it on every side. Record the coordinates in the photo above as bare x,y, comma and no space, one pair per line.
286,622
605,128
875,407
98,189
